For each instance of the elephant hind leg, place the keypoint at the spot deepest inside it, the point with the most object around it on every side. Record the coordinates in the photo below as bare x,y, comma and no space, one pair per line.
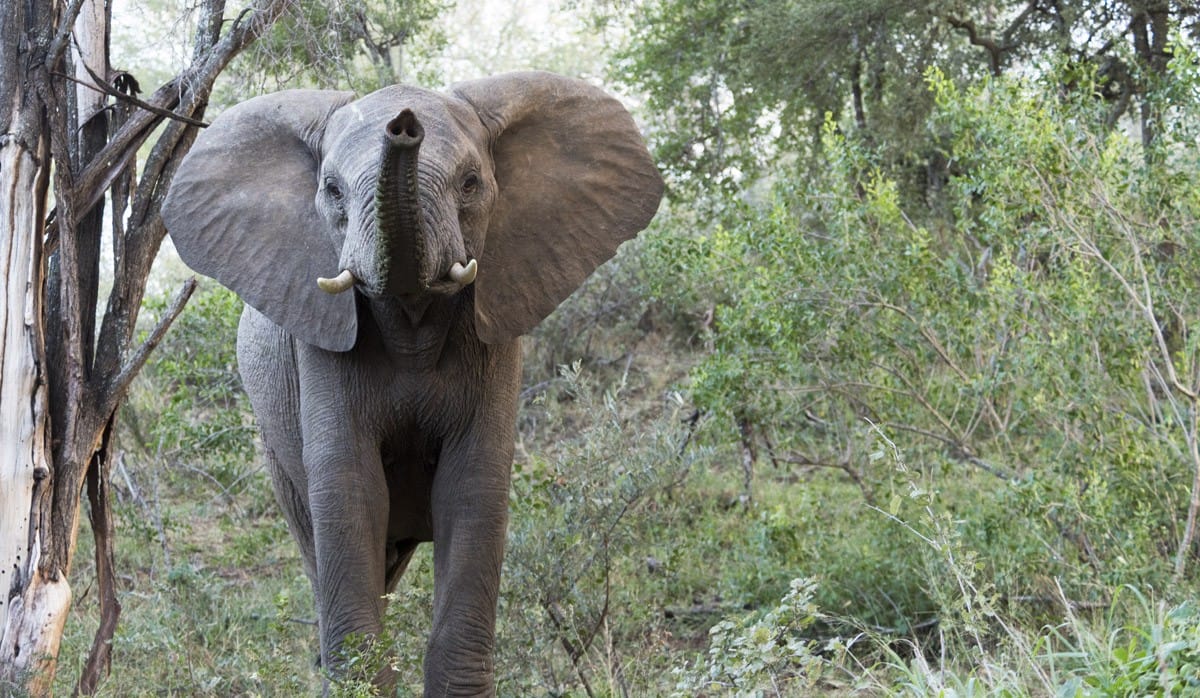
267,364
399,554
294,504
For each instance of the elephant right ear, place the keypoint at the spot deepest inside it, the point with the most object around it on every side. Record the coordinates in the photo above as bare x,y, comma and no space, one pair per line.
242,210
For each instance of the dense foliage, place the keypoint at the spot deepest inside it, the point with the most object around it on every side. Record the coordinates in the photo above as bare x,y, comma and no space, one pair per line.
1030,332
360,46
1002,295
740,88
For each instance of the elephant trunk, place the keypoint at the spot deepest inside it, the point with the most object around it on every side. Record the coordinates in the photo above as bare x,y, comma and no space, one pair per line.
403,234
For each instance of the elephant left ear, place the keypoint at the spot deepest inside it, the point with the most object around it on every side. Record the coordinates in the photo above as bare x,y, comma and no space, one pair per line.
575,181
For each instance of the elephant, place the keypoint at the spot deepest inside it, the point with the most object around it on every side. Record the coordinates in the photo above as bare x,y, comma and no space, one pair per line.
390,251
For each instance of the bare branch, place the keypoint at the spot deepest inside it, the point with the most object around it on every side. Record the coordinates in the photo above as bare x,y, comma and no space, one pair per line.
208,28
119,384
99,659
987,43
842,464
927,333
963,451
62,38
108,164
182,96
105,88
1008,43
574,652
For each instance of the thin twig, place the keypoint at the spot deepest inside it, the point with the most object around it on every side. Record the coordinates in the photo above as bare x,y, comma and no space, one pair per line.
1054,600
963,449
940,349
557,617
105,88
843,465
152,512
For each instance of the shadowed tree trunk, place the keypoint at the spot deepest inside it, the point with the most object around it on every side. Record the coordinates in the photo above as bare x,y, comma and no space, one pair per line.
1150,26
70,127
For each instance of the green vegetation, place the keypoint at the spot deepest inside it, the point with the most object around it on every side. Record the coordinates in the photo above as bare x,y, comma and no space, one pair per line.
897,401
360,46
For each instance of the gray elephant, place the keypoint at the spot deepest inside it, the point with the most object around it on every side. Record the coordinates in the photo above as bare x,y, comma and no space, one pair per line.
390,251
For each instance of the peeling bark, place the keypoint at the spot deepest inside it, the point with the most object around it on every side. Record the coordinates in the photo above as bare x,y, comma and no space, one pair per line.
33,605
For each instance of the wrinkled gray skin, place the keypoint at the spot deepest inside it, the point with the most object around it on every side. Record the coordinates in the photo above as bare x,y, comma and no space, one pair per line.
388,411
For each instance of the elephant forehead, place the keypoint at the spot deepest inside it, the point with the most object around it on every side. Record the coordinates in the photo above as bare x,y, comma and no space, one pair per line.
358,127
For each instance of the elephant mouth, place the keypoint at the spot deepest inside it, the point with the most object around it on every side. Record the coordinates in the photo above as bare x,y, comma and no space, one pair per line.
459,276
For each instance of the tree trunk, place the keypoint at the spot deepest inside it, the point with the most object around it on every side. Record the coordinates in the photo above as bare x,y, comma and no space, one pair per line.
33,605
1150,26
33,599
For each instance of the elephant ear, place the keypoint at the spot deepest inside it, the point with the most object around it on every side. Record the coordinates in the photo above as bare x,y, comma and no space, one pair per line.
242,210
575,181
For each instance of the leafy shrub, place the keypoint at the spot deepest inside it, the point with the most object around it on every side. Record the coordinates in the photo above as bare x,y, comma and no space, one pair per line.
585,519
1024,334
189,406
763,652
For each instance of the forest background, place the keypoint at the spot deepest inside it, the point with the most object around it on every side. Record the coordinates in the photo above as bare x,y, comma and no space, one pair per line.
898,396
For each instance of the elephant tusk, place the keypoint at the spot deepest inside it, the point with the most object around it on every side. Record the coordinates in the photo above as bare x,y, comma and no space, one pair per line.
339,283
464,275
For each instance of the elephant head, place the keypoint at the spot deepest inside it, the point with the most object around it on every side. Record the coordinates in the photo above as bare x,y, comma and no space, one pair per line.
520,184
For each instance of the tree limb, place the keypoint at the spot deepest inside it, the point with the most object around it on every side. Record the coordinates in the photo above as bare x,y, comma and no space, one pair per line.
1008,43
62,38
105,88
987,43
120,383
99,661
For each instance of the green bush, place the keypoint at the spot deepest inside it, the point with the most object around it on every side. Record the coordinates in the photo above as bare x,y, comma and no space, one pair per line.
189,406
586,518
1023,334
763,653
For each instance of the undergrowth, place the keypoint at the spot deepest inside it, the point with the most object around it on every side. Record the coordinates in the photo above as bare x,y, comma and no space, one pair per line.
637,565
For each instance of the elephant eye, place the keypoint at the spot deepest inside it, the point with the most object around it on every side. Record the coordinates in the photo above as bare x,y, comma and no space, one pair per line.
470,183
334,198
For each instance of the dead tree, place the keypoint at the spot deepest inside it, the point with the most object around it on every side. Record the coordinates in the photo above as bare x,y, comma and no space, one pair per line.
70,130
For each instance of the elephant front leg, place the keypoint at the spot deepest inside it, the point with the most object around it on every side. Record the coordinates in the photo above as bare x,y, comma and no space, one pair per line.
348,499
470,514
